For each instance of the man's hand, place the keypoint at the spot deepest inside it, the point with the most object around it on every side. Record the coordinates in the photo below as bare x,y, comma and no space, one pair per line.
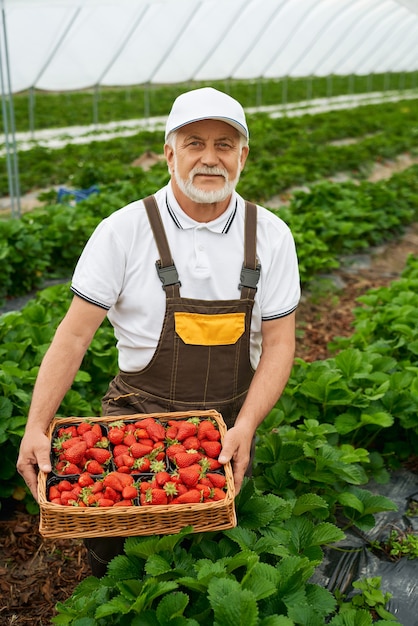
237,449
34,453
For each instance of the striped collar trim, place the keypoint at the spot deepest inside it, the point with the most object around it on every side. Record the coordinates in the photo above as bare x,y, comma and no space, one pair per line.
221,225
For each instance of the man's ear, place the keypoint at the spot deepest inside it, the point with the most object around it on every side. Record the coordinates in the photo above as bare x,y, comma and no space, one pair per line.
244,154
169,155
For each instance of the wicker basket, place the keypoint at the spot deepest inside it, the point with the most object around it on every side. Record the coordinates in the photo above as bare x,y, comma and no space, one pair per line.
72,522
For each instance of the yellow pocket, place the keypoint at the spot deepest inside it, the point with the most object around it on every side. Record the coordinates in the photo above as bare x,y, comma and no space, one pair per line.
209,330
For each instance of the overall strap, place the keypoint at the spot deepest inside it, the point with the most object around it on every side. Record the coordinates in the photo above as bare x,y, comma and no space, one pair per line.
250,272
166,269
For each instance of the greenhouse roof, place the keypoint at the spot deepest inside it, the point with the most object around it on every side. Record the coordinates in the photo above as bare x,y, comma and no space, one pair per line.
72,44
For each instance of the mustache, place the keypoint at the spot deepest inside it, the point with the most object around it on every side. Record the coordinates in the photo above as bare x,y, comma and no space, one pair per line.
210,171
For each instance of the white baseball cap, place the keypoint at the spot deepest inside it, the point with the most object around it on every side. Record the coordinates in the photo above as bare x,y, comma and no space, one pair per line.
206,104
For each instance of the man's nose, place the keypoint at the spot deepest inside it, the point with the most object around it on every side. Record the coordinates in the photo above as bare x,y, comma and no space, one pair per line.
210,156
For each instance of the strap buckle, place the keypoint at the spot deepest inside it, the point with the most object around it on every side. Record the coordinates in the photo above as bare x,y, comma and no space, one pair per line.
250,277
168,275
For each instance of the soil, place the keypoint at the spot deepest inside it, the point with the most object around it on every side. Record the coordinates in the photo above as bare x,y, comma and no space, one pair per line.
36,573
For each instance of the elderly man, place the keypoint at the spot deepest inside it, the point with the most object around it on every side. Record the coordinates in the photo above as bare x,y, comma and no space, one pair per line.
201,288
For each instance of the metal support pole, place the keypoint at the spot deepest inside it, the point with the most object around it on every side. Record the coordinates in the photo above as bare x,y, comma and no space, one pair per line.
9,120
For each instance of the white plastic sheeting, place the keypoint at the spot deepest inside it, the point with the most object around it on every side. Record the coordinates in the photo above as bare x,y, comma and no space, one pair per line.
74,44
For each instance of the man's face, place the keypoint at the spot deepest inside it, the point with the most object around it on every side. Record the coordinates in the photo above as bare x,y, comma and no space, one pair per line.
207,160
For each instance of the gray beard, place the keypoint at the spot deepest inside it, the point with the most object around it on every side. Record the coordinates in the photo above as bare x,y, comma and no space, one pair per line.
200,195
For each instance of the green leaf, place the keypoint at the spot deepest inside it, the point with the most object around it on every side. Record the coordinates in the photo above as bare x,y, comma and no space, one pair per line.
380,418
171,606
309,502
276,620
157,565
325,533
261,581
232,606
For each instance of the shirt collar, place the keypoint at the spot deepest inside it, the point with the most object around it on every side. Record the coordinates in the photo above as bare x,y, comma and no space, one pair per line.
221,225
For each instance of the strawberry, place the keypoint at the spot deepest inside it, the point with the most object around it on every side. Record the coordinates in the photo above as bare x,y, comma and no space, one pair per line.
171,433
91,438
129,439
113,480
190,497
124,459
97,429
83,428
124,503
191,443
85,480
213,464
70,468
129,492
212,434
53,493
142,464
204,427
186,429
217,480
157,466
161,478
76,453
69,443
185,459
105,502
190,475
68,431
173,449
100,455
94,467
211,448
154,496
171,489
141,433
116,433
205,490
111,494
218,494
120,449
138,449
64,485
156,431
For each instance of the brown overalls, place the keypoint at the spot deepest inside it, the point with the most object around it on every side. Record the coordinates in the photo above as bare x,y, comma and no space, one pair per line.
202,360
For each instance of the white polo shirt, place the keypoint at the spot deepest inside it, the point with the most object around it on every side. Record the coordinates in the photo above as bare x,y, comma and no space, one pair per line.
117,270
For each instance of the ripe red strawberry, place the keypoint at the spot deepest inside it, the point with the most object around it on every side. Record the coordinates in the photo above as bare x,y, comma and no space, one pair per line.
53,492
101,455
218,494
171,433
154,496
142,464
190,497
185,459
124,503
91,438
105,502
111,494
205,426
191,443
171,489
114,481
93,467
129,439
217,480
161,478
186,429
69,443
141,433
129,492
124,459
97,429
138,449
83,427
190,475
173,449
116,434
120,449
205,490
85,480
68,431
211,448
76,453
156,431
64,485
70,469
213,464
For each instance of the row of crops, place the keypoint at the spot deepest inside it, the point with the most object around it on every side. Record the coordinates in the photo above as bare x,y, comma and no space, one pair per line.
341,422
